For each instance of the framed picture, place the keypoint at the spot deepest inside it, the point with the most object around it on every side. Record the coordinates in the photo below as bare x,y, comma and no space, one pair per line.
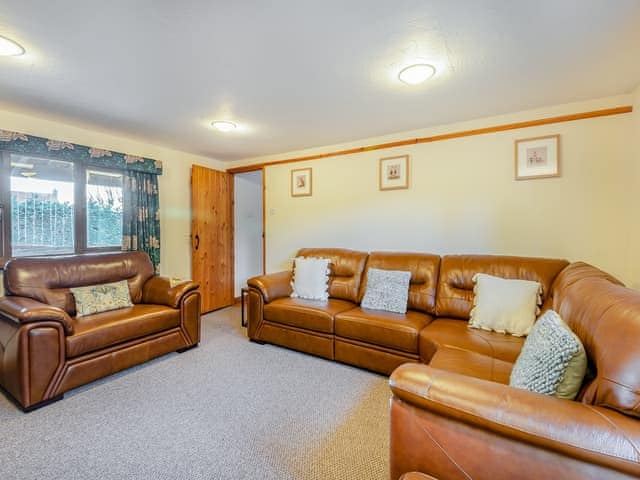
538,157
301,182
394,173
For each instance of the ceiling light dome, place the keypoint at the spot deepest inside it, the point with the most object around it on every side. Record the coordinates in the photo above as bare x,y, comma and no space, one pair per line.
9,48
224,125
416,74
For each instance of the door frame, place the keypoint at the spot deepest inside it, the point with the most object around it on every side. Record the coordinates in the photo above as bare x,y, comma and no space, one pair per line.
264,215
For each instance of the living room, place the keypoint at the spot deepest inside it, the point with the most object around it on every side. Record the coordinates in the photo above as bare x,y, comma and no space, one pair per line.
462,142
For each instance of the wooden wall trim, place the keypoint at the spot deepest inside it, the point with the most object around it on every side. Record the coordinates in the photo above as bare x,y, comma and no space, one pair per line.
447,136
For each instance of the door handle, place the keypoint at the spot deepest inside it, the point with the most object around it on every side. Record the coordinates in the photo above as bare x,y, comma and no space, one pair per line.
197,246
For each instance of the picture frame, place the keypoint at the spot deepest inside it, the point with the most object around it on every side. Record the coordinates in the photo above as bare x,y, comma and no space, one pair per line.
394,173
537,157
301,182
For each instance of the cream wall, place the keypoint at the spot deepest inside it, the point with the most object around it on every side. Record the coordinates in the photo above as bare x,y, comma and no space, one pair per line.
175,196
463,197
634,196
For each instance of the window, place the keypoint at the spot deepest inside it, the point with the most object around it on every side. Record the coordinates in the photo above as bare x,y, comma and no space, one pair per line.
53,207
104,208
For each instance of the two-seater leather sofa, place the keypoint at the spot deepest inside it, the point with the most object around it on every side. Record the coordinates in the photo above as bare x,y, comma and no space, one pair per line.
453,414
45,350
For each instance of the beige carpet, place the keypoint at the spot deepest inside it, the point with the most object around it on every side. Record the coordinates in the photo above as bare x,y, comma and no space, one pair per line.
229,409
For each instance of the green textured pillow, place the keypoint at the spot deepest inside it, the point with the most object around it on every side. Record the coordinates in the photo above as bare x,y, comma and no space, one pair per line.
552,361
101,298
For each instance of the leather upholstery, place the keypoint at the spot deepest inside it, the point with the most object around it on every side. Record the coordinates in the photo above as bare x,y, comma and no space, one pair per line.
45,350
472,364
386,329
454,332
26,310
458,418
416,476
460,411
345,266
272,286
307,314
606,317
424,276
48,279
158,290
455,286
101,330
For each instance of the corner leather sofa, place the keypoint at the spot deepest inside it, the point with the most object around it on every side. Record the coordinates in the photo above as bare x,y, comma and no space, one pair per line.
45,350
453,414
457,417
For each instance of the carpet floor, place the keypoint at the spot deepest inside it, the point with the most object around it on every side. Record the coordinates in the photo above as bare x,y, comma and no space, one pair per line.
229,409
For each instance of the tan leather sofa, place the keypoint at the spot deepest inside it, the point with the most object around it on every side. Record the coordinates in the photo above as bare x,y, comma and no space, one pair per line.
457,418
45,350
453,415
440,297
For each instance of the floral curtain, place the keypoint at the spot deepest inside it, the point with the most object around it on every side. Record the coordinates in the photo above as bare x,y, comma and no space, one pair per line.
141,215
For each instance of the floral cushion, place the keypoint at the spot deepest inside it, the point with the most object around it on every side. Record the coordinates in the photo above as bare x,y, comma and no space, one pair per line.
101,298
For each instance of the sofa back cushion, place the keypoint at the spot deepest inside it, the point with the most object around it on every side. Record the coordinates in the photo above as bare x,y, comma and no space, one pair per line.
606,317
424,270
455,285
48,279
345,270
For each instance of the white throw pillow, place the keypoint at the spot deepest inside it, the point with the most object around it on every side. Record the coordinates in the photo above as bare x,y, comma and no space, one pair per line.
505,306
310,278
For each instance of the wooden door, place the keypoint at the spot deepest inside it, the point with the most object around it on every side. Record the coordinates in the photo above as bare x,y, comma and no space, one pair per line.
212,236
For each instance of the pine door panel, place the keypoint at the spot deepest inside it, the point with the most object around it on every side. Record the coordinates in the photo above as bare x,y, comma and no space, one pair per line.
212,236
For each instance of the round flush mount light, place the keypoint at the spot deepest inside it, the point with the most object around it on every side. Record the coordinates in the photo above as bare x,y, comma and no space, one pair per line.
416,74
9,48
224,125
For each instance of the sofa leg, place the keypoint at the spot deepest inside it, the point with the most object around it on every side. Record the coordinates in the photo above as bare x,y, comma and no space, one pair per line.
182,350
41,404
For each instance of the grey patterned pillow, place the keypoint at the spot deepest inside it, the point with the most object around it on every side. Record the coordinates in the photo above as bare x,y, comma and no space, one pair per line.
387,290
101,298
552,360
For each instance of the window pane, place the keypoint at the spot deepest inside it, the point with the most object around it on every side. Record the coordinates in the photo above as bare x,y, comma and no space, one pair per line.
104,209
42,206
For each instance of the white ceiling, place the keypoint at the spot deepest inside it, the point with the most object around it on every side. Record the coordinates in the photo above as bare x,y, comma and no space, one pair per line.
303,73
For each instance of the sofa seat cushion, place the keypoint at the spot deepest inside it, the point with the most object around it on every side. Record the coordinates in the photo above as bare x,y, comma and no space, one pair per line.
94,332
386,329
308,314
472,364
456,333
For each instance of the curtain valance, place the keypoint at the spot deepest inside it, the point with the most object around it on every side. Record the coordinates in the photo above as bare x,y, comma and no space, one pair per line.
97,157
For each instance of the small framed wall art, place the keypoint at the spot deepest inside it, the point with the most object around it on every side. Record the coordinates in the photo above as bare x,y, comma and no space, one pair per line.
301,182
538,157
394,173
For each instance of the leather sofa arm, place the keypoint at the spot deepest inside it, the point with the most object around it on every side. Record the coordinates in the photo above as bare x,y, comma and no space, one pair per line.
158,290
27,310
593,434
273,285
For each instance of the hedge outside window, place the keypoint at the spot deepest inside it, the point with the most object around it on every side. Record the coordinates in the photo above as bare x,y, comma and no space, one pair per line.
62,198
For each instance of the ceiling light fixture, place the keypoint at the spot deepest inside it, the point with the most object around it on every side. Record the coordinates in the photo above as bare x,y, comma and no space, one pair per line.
9,48
223,125
416,74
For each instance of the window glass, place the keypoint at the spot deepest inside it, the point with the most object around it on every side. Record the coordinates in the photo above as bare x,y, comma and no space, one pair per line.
104,208
42,206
